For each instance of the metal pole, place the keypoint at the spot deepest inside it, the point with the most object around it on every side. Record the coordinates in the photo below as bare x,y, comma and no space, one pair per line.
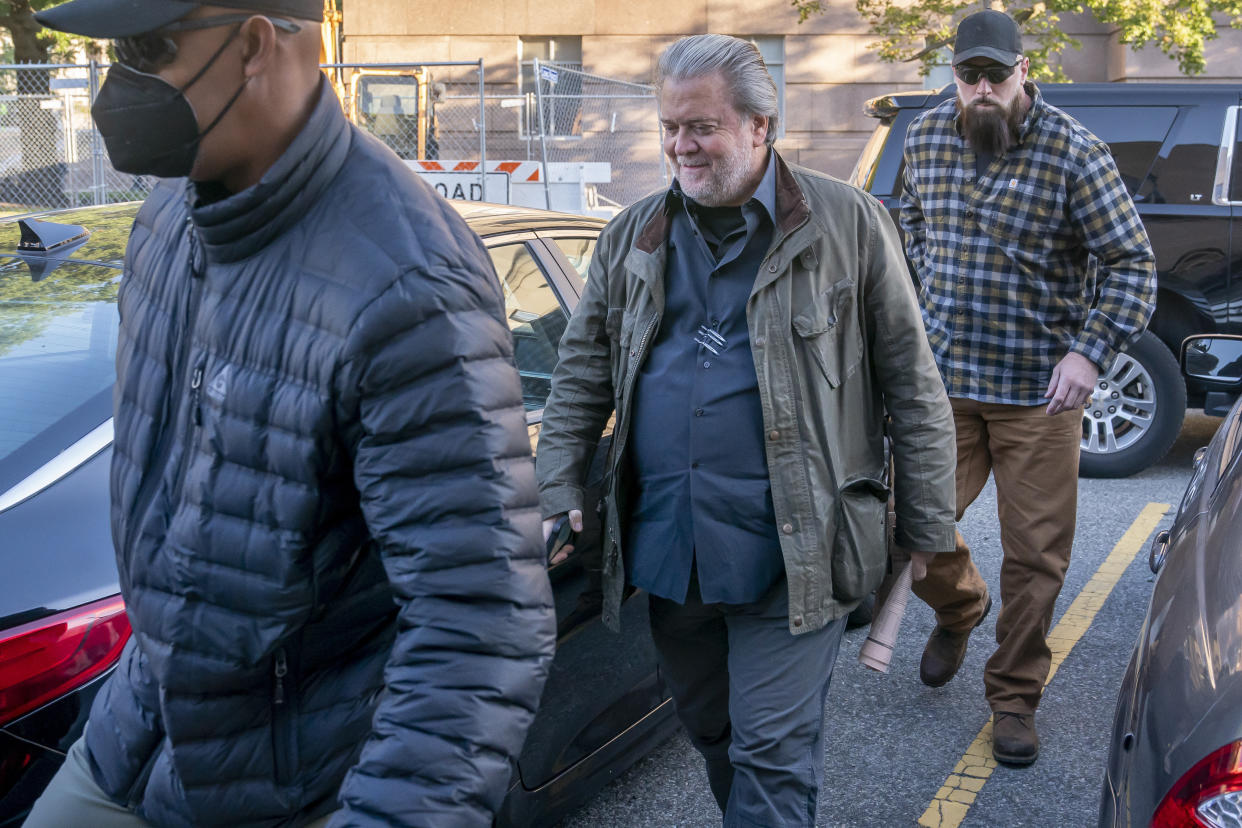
543,136
71,146
98,184
69,184
482,135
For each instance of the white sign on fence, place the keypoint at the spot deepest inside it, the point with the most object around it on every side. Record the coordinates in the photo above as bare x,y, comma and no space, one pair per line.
465,186
549,74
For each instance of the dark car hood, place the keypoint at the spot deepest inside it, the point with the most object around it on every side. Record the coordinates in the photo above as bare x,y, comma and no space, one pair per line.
57,548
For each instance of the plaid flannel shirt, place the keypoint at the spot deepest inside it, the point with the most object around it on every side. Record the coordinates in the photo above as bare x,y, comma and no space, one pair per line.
1003,261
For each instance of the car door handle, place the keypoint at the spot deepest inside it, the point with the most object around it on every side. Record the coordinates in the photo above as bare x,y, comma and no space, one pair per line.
1159,548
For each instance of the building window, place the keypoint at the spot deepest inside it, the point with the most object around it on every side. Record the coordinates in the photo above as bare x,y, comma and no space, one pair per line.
941,72
560,86
772,50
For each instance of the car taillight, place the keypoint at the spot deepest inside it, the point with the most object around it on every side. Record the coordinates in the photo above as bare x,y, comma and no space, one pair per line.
1209,794
43,660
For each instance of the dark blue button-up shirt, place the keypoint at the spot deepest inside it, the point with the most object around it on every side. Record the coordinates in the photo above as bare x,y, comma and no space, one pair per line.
704,496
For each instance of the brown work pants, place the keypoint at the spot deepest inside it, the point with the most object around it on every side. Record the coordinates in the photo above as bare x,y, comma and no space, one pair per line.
1034,458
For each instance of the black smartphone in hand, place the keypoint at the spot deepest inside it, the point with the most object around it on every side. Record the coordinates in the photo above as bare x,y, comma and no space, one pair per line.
562,531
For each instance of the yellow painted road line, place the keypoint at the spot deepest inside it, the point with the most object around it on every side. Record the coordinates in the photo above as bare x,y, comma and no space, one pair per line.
957,794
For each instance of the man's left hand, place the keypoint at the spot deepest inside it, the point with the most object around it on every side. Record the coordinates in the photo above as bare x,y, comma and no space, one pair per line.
1072,382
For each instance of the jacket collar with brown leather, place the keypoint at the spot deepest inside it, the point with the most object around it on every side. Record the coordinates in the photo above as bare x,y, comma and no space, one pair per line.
791,210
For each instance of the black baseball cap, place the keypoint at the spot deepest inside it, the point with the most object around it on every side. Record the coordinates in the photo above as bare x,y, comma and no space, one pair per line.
125,18
988,34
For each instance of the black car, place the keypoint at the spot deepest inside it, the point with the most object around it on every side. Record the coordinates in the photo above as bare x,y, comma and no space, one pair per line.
1175,755
62,622
1176,147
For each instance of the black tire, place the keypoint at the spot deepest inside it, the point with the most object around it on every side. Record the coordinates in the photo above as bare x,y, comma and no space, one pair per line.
1136,412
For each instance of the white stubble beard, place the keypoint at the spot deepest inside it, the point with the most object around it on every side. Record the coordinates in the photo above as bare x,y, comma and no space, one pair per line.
729,177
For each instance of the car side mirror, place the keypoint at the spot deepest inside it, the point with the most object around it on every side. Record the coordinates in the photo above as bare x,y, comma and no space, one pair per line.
1214,360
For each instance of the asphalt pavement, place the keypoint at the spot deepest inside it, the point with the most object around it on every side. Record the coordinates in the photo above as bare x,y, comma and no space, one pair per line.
892,743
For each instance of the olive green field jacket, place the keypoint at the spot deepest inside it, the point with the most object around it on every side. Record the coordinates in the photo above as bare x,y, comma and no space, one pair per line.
838,344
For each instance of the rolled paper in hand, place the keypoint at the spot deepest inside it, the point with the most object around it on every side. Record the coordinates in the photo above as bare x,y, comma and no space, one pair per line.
877,650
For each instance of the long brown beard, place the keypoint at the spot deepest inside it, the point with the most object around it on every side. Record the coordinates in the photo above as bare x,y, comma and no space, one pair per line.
990,129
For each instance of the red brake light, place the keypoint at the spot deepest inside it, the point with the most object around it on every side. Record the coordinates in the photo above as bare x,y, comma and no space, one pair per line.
1209,794
43,660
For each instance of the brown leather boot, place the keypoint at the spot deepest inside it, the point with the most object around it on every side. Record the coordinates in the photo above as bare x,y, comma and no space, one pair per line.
945,651
1014,740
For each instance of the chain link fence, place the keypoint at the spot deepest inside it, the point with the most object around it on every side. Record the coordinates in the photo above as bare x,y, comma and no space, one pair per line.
425,111
51,156
570,140
607,126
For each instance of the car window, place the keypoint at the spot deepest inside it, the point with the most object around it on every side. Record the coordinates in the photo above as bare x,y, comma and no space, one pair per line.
535,316
578,251
1134,135
1235,174
57,360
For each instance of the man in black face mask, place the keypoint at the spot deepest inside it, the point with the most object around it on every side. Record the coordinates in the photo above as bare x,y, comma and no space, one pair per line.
324,510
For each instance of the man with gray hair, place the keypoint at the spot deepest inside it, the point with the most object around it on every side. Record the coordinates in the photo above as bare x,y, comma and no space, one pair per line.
749,327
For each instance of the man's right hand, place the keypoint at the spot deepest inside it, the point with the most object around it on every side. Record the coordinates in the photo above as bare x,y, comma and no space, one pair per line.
575,523
919,561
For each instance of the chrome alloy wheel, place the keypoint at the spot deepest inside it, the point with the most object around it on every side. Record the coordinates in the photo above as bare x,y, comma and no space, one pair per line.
1121,409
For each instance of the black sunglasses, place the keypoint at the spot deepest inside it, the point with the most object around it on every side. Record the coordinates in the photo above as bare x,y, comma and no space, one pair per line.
994,74
154,50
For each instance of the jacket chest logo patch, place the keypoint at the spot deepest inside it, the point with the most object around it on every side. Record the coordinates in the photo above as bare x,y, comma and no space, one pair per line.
218,388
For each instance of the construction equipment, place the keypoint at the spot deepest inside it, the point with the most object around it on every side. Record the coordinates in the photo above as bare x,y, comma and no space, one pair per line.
394,105
398,106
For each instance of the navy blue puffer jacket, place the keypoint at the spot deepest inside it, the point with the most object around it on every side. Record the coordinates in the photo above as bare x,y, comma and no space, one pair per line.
324,506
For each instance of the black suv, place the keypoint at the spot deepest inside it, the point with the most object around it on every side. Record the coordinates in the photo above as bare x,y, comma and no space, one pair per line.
1176,146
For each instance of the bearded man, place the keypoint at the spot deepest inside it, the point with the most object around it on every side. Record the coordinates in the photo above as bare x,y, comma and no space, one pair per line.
1005,200
749,327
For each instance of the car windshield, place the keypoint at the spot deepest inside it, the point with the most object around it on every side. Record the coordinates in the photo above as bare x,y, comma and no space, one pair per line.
58,329
388,95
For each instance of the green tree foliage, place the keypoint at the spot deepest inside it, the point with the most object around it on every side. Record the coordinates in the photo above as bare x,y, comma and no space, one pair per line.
31,43
917,30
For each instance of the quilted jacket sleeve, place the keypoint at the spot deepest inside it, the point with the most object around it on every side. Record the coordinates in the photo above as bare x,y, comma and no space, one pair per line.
442,463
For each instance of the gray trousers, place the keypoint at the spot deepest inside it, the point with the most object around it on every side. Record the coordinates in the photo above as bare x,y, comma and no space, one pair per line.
73,798
751,695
